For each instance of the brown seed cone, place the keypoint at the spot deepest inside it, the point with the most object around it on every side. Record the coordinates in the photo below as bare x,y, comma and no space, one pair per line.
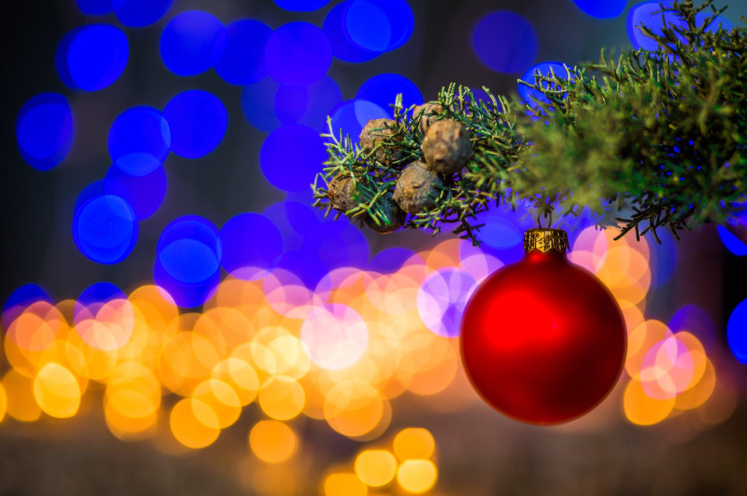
446,147
395,217
417,188
342,193
379,131
428,113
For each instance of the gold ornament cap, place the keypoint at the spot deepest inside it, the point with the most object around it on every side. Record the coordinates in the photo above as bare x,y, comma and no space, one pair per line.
545,240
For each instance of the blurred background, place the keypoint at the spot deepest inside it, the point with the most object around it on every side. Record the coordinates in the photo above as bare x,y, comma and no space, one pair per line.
177,319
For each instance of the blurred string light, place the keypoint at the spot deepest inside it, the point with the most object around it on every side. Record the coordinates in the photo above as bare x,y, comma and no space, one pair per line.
258,104
301,5
305,325
192,42
736,332
350,117
339,352
290,157
95,7
516,36
697,321
361,30
546,69
45,130
20,299
140,13
383,89
188,260
139,140
197,121
731,242
92,57
105,226
308,105
602,9
145,194
298,53
645,14
243,256
243,58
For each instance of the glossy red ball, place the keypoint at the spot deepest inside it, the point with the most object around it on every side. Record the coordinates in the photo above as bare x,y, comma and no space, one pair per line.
543,341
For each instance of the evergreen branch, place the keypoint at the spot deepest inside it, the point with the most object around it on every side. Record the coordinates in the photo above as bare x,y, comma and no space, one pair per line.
643,141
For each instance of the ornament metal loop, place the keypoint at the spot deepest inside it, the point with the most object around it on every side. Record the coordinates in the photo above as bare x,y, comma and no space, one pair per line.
545,240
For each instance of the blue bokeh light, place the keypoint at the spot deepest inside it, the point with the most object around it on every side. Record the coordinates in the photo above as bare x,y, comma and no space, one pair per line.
352,116
105,227
184,294
506,42
384,88
378,25
100,293
307,266
298,53
301,5
188,260
602,9
189,249
311,223
252,246
695,320
243,58
139,140
342,47
144,193
367,25
20,299
277,214
308,105
736,332
390,260
442,299
722,21
95,7
530,95
92,57
192,42
663,259
291,157
44,130
348,248
731,242
258,104
92,299
643,15
140,13
197,120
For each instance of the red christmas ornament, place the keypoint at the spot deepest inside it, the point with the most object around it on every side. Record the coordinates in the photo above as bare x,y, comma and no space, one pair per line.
543,340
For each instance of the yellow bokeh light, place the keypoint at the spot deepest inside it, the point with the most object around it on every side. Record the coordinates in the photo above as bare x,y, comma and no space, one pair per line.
3,402
414,443
281,398
273,441
221,398
194,424
641,409
240,376
355,409
342,484
417,476
186,360
376,468
56,391
20,392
